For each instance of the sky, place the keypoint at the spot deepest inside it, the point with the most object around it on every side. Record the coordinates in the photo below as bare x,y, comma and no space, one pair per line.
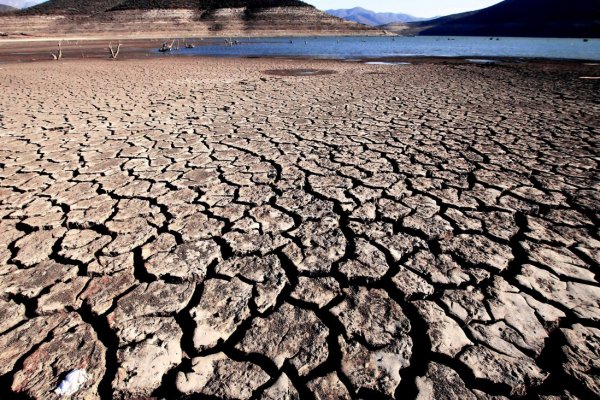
416,8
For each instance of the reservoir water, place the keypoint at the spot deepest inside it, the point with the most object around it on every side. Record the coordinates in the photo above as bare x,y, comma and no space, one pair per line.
383,47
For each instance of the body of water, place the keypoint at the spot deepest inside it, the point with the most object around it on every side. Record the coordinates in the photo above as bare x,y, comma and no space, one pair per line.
383,47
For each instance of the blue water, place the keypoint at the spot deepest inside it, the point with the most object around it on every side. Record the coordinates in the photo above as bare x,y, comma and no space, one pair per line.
380,47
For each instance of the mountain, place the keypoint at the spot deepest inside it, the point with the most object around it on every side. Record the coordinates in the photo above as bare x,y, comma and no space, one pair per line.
367,17
173,18
527,18
416,27
6,9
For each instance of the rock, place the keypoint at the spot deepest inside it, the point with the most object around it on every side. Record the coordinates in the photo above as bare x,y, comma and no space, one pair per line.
69,349
442,383
582,355
219,376
291,334
369,263
318,291
222,308
188,261
266,272
328,387
282,389
445,334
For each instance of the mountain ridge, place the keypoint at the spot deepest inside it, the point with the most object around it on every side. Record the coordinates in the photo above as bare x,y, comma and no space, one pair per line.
372,18
527,18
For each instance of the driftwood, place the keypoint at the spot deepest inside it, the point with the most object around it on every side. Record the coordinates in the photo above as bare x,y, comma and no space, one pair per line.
114,53
58,55
166,47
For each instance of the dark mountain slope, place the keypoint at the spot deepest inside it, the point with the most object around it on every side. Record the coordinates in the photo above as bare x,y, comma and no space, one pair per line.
527,18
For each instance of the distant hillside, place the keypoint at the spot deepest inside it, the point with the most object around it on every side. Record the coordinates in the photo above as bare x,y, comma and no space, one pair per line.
90,7
172,18
204,4
367,17
416,27
6,9
527,18
71,7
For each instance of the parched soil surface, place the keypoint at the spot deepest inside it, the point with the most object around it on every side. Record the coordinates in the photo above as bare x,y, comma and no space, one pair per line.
198,227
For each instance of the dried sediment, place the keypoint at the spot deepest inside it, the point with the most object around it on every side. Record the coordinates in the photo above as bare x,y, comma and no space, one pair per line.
197,227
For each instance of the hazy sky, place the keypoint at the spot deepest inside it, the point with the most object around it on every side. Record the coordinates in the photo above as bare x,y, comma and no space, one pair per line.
417,8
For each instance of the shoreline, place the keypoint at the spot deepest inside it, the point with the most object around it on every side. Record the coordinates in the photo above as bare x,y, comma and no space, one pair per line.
96,47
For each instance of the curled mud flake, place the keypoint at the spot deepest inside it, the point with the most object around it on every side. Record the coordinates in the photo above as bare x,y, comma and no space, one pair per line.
188,261
442,383
369,263
37,246
328,387
582,355
223,307
318,291
517,373
478,249
291,334
266,272
445,334
282,389
149,348
219,376
72,347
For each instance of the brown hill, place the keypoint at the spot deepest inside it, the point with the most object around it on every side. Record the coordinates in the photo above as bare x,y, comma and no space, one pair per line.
4,9
160,18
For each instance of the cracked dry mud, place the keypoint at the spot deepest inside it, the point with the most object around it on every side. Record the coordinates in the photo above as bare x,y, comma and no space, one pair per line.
199,228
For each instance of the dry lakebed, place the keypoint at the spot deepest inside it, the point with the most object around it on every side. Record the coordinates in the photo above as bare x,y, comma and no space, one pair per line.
299,229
